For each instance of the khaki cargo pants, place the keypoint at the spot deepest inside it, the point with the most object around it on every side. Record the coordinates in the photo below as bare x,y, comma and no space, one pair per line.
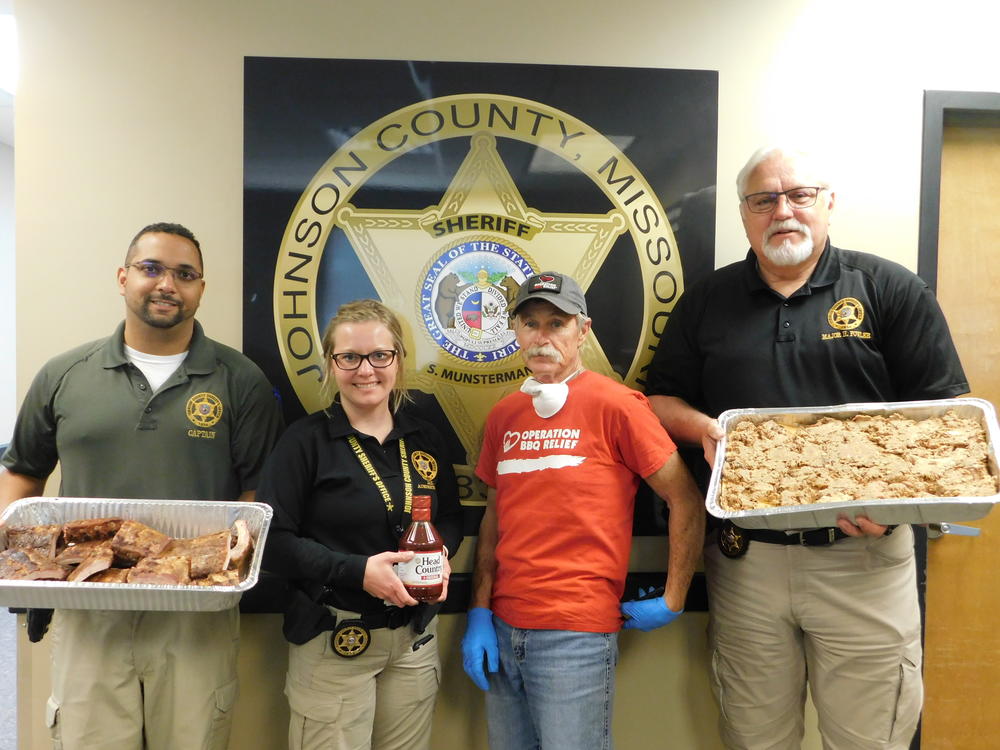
845,616
122,678
381,699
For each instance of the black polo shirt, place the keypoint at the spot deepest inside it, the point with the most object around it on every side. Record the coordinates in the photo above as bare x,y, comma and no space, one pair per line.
861,329
329,516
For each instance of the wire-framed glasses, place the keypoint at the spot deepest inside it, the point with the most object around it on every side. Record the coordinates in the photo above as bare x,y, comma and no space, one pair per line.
797,197
152,269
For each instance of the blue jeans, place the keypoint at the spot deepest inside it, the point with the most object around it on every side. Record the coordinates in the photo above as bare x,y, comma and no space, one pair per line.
554,690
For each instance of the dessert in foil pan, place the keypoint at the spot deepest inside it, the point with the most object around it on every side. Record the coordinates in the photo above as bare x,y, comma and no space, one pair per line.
901,462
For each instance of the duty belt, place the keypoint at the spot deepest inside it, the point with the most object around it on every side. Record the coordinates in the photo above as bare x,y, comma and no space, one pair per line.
734,540
809,538
351,637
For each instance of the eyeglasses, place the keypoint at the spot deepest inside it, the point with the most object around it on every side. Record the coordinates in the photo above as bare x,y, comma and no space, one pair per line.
353,360
798,197
151,269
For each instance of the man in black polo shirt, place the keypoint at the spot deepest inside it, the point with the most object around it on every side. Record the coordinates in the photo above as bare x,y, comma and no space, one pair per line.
800,322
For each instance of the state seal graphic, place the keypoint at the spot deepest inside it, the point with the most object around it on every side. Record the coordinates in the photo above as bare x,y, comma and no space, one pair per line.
464,297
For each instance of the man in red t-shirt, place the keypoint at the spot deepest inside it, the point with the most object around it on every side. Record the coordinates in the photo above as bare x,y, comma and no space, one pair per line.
562,459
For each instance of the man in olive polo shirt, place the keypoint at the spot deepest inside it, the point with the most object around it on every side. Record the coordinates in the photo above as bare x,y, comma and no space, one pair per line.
157,410
802,323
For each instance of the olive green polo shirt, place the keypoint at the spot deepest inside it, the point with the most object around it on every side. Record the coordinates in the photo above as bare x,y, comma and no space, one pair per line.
203,435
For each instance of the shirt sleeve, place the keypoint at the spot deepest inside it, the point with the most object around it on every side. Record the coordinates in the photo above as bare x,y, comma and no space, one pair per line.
919,352
642,443
286,484
33,450
256,427
677,365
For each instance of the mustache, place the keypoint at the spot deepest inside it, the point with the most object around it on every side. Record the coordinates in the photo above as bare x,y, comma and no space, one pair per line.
163,298
785,225
544,351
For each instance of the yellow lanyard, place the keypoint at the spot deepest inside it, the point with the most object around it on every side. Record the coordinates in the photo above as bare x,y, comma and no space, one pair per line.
404,465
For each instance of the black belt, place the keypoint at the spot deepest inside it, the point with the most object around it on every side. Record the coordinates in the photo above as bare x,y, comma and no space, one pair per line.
810,538
734,540
388,617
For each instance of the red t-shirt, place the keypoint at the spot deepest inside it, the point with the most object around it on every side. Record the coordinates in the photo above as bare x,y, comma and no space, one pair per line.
565,495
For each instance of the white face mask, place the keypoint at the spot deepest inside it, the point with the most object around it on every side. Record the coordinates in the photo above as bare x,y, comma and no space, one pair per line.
547,398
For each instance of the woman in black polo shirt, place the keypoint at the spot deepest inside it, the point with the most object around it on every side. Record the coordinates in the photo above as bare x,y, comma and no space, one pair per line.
363,663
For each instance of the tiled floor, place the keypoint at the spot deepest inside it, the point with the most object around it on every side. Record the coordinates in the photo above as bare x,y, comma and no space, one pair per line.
8,680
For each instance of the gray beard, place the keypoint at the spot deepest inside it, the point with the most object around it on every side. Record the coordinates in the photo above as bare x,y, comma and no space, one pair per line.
790,253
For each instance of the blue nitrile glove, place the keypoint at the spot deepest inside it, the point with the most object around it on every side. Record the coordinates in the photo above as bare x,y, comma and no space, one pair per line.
479,644
647,614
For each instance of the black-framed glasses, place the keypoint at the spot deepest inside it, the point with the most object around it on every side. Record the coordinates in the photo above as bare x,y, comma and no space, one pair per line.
797,197
353,360
152,269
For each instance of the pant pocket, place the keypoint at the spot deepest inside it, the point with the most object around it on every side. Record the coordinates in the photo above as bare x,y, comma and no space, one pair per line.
717,684
909,698
222,718
315,717
52,722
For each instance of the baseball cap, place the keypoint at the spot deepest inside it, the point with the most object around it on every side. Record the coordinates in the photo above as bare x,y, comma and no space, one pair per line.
557,288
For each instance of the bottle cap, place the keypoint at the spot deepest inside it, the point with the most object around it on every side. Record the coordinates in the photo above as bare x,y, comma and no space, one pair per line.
421,508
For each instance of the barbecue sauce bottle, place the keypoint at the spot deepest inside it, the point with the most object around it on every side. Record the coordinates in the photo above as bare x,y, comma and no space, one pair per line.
423,576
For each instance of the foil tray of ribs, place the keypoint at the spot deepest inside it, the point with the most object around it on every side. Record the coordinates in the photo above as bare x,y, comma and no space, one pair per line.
100,553
895,462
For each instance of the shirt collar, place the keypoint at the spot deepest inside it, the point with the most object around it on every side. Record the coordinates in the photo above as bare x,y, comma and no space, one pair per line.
199,361
340,427
826,272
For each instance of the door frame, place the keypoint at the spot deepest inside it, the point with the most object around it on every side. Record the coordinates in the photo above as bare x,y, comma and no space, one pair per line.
941,108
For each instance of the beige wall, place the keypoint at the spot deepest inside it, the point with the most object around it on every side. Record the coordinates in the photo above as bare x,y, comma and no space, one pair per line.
131,110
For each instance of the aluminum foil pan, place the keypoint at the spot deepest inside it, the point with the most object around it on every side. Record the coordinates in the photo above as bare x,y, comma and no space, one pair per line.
176,518
894,511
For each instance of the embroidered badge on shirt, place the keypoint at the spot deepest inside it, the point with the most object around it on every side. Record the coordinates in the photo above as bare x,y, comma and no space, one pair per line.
426,466
846,315
204,410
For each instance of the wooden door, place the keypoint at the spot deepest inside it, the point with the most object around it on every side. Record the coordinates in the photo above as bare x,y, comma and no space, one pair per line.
962,637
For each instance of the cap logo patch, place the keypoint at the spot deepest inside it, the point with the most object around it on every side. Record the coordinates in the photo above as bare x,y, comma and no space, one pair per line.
547,283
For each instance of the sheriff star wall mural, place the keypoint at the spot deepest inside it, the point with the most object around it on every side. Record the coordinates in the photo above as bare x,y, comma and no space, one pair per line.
439,187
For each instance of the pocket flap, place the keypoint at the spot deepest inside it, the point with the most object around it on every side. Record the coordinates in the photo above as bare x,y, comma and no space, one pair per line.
226,695
317,705
51,712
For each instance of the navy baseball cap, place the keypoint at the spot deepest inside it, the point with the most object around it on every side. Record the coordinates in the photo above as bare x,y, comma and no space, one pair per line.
557,288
